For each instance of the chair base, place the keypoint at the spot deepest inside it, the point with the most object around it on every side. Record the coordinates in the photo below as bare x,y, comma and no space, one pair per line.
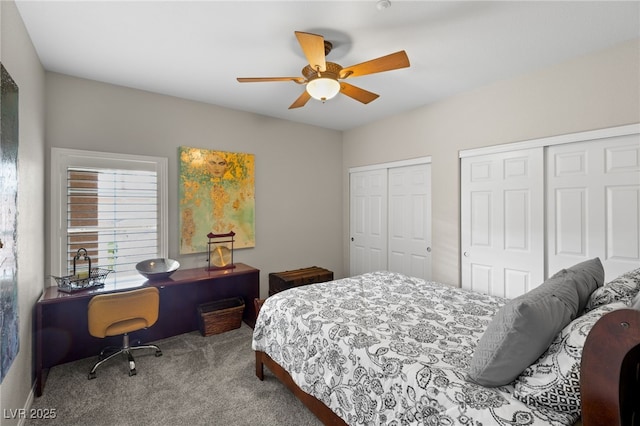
124,350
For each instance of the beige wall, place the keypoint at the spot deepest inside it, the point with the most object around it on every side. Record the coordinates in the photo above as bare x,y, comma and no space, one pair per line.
20,59
298,168
595,91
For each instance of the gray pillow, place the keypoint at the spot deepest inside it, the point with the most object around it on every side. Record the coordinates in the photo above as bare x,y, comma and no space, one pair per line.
525,327
588,276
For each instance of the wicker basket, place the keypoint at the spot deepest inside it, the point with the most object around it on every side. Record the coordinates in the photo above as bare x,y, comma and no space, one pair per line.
221,315
73,283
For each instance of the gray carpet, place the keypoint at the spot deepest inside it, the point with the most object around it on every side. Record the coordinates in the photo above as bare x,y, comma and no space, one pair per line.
197,381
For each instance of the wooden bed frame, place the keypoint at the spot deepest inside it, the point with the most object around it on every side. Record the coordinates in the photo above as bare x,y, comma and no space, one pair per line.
610,371
317,407
610,374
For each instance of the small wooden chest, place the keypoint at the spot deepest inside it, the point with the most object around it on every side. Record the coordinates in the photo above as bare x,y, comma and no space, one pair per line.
279,281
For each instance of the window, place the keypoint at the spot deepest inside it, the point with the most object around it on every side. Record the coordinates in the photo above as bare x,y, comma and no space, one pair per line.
112,205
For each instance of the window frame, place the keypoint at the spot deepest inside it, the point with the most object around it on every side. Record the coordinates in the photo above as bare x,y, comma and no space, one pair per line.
63,158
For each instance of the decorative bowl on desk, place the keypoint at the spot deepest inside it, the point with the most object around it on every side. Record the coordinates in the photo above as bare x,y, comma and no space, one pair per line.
156,269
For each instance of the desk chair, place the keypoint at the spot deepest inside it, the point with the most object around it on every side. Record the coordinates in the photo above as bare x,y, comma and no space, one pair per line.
119,314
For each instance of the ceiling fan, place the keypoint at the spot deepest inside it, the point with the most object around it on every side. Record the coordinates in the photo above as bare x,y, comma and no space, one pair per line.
322,78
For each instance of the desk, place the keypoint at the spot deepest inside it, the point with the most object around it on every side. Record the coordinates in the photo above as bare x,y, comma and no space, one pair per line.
61,329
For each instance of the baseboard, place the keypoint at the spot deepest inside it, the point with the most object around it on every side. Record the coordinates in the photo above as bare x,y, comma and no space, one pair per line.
27,405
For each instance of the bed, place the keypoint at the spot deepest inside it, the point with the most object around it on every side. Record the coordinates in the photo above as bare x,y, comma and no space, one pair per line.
387,349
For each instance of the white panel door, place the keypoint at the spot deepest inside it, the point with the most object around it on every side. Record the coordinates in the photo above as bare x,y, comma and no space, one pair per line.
368,221
594,204
410,220
502,222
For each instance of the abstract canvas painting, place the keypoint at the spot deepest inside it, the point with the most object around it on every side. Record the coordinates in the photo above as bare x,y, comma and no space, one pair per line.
217,195
9,341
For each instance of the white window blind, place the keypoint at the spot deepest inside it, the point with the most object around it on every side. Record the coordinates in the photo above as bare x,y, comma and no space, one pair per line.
113,214
112,205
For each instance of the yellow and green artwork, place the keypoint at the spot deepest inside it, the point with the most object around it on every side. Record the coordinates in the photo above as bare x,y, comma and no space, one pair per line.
217,195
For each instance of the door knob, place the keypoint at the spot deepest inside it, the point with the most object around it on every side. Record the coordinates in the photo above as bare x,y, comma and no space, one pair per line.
466,254
428,249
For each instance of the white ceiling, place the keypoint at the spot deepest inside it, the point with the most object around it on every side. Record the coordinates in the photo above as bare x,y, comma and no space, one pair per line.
195,50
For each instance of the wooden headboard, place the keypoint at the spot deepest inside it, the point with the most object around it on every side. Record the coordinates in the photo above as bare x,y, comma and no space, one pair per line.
610,371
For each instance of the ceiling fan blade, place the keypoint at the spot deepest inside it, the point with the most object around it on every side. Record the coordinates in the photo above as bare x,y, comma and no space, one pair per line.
301,101
299,80
313,48
384,63
357,93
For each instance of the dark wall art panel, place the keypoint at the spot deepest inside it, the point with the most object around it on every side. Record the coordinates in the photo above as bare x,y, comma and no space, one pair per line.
9,342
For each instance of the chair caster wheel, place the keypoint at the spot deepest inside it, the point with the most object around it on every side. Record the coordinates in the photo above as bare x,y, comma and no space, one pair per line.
92,375
158,353
132,372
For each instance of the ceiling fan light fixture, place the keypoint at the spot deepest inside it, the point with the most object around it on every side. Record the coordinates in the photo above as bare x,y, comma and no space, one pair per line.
323,88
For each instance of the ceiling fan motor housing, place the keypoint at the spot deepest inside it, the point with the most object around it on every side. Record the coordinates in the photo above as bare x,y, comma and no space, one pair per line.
332,71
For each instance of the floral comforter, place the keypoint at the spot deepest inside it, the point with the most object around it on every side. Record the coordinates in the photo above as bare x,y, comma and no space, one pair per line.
386,349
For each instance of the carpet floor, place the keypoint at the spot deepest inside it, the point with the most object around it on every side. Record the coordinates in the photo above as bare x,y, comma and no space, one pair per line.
197,381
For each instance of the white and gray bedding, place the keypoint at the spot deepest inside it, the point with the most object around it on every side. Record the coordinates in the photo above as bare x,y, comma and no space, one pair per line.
386,349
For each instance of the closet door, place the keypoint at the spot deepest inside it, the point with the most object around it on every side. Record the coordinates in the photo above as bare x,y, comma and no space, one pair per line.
594,204
502,222
368,221
410,220
390,219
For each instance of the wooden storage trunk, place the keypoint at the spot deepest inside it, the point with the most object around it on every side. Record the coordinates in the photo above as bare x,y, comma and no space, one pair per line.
220,315
279,281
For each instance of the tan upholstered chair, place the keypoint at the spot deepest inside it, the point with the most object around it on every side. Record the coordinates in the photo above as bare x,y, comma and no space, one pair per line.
119,314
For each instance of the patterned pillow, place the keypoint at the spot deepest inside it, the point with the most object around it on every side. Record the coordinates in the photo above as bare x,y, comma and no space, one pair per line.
635,303
622,289
553,381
